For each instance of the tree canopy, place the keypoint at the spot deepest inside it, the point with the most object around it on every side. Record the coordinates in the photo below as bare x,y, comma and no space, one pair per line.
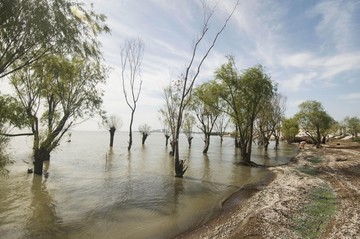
31,29
314,120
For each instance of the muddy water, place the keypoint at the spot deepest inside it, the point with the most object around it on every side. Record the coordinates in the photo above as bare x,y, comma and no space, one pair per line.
94,192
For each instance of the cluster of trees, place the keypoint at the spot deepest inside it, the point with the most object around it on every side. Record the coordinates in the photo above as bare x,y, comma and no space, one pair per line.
50,56
317,124
248,100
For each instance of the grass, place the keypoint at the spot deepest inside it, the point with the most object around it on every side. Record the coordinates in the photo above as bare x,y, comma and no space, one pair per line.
316,213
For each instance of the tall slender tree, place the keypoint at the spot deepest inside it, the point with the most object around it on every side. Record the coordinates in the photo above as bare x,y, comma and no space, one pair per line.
132,53
191,73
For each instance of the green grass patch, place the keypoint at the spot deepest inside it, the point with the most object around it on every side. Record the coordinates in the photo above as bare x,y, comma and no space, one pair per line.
314,160
316,214
357,139
309,170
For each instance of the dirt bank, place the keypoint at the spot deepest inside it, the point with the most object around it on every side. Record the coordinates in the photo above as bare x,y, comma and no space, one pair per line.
316,196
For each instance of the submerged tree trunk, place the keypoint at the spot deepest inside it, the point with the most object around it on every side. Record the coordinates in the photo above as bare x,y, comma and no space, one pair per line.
41,155
190,140
207,143
112,133
144,137
167,139
130,129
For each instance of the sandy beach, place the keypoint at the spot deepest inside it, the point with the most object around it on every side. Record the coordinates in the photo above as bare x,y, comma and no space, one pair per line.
317,195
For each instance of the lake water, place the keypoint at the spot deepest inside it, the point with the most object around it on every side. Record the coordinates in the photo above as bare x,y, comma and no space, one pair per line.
95,192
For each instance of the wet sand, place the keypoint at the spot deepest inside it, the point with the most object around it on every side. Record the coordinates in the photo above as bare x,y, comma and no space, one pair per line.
268,210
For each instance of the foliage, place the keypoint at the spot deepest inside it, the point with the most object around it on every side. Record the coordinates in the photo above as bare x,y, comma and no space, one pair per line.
246,94
29,30
189,122
145,129
206,103
112,122
289,128
57,92
353,125
314,120
269,121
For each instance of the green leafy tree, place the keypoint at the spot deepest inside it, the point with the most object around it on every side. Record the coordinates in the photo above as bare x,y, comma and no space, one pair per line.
54,94
31,29
289,129
353,125
206,105
188,125
245,94
269,121
314,121
11,115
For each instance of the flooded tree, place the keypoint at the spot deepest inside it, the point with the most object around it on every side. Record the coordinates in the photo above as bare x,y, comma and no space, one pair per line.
185,84
145,131
206,105
188,125
65,89
169,112
245,94
112,123
269,121
314,120
32,29
221,125
132,53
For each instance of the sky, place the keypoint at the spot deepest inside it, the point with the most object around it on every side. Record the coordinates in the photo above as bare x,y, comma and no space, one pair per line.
310,48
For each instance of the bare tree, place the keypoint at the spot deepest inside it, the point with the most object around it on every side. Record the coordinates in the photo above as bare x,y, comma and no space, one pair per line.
132,53
145,130
112,123
169,112
191,72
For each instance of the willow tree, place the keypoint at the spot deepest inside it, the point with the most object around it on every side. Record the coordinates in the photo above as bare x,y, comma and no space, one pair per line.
314,121
188,125
29,30
198,55
145,131
132,53
112,123
55,94
245,93
206,105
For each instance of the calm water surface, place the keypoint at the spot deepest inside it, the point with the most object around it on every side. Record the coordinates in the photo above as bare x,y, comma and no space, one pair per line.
95,192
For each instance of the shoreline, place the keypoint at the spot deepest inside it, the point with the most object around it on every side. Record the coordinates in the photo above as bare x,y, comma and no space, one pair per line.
271,209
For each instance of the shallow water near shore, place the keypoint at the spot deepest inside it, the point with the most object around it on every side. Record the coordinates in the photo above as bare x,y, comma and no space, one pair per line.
96,192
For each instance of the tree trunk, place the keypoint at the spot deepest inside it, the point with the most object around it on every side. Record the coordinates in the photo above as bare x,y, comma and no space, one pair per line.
189,141
221,138
41,155
266,144
207,143
167,140
144,136
130,129
112,133
277,143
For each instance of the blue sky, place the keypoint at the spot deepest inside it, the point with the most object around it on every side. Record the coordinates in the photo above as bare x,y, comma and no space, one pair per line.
310,48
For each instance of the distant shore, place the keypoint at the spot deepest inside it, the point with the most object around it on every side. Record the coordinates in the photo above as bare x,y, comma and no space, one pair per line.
276,207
